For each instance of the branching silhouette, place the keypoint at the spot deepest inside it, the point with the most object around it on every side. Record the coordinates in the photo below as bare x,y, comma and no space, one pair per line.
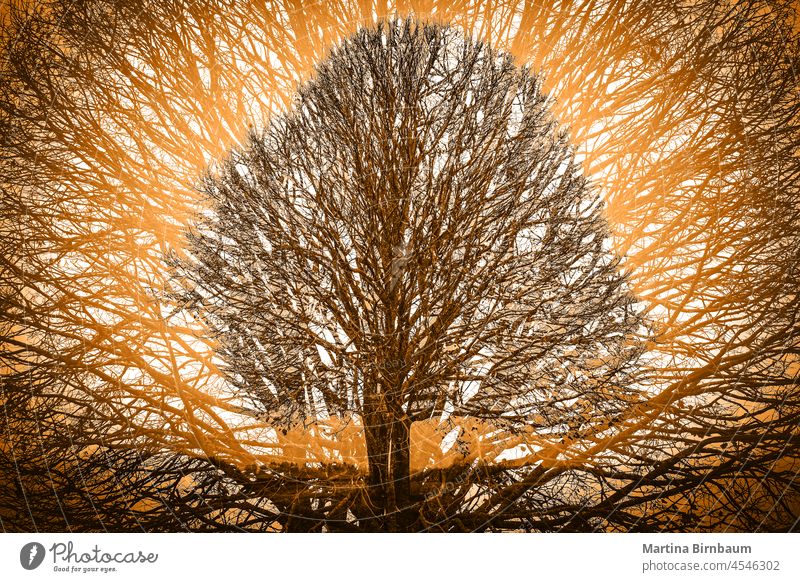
413,241
115,414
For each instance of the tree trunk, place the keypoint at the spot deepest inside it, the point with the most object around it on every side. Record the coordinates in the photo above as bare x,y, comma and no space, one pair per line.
388,442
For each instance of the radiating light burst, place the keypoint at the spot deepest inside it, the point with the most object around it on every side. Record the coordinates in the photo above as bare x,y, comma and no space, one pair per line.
685,115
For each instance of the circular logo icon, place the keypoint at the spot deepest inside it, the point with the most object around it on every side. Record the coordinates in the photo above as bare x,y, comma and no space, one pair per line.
31,555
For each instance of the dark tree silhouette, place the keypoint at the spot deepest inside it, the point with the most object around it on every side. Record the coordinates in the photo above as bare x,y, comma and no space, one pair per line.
414,239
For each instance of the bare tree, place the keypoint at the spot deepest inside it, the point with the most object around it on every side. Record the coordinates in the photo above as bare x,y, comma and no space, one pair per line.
414,239
114,414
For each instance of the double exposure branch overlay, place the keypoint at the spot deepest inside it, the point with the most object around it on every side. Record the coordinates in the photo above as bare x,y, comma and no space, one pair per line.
116,413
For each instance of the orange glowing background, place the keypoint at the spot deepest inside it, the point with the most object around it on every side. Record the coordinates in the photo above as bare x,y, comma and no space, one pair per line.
685,115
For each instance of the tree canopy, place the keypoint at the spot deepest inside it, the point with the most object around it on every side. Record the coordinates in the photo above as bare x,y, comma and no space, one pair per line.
414,240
